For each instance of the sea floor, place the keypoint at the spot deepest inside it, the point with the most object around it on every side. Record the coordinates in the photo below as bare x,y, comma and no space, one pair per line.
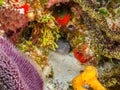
65,68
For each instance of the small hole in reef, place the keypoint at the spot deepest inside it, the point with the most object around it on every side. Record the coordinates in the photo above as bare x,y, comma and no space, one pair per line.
71,27
86,86
18,30
9,33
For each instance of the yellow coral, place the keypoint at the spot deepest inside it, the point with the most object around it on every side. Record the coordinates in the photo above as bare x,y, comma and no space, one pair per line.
88,77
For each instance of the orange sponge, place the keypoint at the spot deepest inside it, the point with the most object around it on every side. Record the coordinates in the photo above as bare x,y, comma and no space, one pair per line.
88,77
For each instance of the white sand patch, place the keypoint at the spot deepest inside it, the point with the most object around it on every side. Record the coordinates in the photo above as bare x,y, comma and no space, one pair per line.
65,68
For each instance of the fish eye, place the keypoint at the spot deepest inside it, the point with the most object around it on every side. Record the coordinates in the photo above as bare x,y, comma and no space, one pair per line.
71,27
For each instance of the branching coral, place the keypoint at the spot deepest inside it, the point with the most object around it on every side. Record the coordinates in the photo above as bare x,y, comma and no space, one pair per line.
46,32
49,39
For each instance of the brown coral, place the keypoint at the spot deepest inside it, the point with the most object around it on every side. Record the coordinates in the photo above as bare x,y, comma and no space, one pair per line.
12,22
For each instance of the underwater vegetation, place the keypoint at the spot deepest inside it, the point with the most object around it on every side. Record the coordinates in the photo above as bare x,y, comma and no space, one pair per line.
17,72
45,33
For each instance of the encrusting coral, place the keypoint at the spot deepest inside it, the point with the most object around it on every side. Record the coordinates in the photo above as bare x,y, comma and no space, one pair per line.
13,62
101,43
12,22
109,74
100,19
88,77
104,40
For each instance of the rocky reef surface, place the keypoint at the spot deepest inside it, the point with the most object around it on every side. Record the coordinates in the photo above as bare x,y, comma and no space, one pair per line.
62,37
105,41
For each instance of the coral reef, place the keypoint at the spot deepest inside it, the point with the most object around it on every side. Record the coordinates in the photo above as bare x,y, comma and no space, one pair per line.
12,22
45,32
113,34
24,66
104,40
101,44
109,73
90,29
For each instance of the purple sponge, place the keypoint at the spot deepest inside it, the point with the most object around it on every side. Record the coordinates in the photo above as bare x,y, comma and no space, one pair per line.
26,72
10,78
